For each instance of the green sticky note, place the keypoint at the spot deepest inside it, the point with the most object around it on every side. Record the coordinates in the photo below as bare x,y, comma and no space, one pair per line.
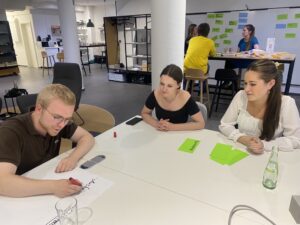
282,17
219,22
211,16
290,35
216,29
222,36
225,155
217,45
228,30
219,15
214,38
232,22
237,155
292,25
221,153
297,16
189,145
227,42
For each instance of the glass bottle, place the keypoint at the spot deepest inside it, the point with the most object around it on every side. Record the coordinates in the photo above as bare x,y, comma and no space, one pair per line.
271,171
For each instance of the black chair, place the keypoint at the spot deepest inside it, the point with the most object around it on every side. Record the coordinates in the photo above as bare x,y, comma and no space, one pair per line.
227,80
26,103
69,74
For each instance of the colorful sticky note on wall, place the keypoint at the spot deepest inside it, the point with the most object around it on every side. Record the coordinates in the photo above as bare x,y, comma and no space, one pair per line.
228,30
232,22
243,20
222,36
280,26
214,38
227,42
282,17
219,22
290,35
216,29
211,16
243,14
297,16
219,15
241,26
292,25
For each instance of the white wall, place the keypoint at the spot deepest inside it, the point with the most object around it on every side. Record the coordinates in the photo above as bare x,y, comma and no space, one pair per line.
133,7
42,21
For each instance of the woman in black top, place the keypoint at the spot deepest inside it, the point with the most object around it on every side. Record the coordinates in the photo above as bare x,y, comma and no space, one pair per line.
172,105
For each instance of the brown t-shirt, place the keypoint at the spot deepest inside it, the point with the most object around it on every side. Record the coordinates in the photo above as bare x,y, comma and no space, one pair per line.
23,146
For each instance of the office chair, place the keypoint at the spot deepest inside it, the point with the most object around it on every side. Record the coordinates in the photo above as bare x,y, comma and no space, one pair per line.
203,110
96,121
69,74
223,78
26,103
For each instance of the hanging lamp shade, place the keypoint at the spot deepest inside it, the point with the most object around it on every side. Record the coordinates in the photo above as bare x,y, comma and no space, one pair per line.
90,23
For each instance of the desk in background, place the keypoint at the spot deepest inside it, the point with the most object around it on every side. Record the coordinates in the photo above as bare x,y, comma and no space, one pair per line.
154,183
291,61
86,47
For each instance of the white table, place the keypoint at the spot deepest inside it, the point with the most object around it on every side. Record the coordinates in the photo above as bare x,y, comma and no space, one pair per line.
154,183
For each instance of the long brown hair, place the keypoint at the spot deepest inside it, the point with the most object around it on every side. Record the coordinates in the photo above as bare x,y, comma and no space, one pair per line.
251,29
268,71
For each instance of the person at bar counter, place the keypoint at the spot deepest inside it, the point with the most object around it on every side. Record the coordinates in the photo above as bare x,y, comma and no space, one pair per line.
172,105
199,49
249,41
28,140
259,116
192,32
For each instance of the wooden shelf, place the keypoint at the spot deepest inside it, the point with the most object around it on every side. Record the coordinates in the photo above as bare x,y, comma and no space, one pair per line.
9,70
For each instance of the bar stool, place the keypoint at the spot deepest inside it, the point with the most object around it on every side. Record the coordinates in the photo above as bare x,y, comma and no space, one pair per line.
47,57
192,75
60,56
227,79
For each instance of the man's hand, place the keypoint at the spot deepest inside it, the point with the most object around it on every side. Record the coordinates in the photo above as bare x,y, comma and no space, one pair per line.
66,164
63,188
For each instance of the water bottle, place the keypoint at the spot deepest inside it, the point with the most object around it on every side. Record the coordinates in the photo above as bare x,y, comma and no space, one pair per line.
271,171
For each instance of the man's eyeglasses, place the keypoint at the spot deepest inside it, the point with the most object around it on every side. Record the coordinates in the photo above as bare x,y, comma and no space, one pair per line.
59,119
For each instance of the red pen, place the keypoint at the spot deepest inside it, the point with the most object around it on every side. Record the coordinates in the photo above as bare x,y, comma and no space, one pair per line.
74,181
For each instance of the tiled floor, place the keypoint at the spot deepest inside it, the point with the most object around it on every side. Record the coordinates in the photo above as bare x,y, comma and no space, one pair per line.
123,100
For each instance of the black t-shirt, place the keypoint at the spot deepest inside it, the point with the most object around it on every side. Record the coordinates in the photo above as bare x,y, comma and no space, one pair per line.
179,116
22,145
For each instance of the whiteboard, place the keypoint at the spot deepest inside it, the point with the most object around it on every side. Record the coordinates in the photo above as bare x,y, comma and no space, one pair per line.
282,24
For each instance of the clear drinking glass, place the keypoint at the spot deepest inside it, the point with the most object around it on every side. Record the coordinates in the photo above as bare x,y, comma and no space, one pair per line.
67,211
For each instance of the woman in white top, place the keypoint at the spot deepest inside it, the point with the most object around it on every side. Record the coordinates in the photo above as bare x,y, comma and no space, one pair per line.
259,116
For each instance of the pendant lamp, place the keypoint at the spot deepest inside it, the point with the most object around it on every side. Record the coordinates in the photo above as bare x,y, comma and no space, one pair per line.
90,23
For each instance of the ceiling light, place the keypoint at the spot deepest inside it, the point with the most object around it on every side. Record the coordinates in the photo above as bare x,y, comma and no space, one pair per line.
90,23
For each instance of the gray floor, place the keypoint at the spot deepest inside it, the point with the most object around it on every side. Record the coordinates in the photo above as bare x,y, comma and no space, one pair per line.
123,100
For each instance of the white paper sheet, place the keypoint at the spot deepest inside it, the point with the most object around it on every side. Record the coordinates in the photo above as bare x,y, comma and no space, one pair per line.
41,209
